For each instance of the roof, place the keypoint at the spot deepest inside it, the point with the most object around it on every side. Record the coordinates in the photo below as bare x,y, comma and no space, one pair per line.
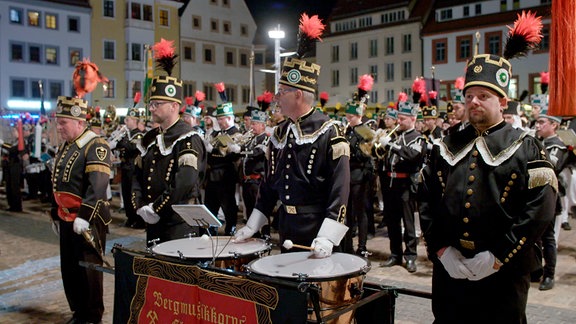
78,3
350,8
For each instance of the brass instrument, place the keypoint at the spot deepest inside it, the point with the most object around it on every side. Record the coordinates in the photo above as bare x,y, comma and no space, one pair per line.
117,136
367,145
110,122
245,138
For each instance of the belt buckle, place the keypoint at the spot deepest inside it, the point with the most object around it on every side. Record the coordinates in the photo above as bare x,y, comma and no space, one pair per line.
290,209
469,245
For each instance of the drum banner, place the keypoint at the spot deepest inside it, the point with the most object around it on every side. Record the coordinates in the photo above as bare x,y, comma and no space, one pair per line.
176,293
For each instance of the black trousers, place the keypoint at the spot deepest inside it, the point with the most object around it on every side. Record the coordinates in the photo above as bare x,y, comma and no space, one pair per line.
222,194
13,186
356,215
83,287
549,251
499,298
398,209
126,187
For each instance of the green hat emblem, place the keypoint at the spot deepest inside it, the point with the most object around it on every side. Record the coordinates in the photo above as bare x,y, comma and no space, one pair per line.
170,90
294,76
502,77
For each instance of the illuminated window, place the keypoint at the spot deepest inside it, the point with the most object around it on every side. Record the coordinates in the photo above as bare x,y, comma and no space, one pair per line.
164,18
51,53
51,21
34,18
16,16
75,55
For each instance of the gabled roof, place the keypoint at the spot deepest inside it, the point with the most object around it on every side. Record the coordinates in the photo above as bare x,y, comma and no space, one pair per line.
475,22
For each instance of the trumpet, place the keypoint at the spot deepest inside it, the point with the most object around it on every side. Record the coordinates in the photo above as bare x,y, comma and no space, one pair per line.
367,145
116,136
245,138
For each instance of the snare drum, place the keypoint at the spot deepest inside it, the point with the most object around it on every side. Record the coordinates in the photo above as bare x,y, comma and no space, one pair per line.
227,254
340,278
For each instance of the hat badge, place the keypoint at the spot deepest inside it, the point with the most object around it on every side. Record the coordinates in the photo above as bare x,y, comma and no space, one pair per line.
478,69
294,76
75,111
502,77
170,90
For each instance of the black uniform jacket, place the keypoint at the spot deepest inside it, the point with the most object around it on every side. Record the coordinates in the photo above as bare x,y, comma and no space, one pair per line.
492,191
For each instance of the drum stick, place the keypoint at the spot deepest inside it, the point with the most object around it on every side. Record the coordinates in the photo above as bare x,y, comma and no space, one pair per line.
288,244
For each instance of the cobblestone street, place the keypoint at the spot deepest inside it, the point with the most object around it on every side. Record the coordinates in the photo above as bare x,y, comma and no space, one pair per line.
31,289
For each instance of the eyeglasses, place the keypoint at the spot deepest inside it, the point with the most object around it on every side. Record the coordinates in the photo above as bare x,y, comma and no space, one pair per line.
284,91
156,104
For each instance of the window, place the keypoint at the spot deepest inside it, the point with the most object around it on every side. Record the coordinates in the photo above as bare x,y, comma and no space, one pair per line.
231,93
516,4
545,42
17,52
463,48
390,72
390,95
245,94
108,8
258,58
18,88
188,88
244,30
209,91
35,89
214,25
244,59
373,48
196,22
373,97
374,72
33,18
55,89
136,52
109,89
16,16
335,78
209,54
439,54
148,13
230,56
445,14
354,76
51,53
466,11
109,50
51,21
503,5
136,87
226,27
407,43
353,51
73,24
75,55
214,2
478,10
493,43
135,10
189,52
389,45
335,53
225,3
407,70
34,53
164,18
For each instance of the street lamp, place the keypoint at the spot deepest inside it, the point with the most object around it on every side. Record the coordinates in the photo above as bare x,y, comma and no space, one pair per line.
276,35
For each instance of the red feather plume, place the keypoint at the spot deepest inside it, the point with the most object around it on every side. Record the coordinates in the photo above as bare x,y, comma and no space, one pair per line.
86,77
545,77
220,87
137,97
189,101
267,96
311,26
459,83
419,86
525,35
402,97
324,95
199,95
164,54
366,82
432,94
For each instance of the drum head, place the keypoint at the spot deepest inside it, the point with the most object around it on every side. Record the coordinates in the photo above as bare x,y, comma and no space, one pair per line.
200,248
290,265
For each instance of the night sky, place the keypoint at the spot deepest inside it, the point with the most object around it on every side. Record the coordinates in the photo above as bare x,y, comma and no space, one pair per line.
268,14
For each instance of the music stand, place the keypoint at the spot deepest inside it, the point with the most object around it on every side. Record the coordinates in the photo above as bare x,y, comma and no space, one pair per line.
197,215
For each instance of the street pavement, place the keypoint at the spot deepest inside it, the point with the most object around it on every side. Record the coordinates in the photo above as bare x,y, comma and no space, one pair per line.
31,288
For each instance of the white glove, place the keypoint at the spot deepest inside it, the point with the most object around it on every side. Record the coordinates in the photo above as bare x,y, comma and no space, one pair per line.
1,141
209,147
80,225
385,140
233,148
262,147
481,265
452,260
254,224
322,247
148,215
331,233
56,227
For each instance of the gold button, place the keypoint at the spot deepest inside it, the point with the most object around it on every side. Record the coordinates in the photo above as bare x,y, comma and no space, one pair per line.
472,166
521,242
502,200
439,173
506,188
148,187
467,205
471,178
510,255
465,234
510,183
149,178
514,251
506,260
465,220
513,176
475,153
505,194
469,192
519,247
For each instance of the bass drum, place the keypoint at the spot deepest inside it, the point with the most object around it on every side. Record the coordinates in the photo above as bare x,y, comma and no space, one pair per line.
339,278
220,249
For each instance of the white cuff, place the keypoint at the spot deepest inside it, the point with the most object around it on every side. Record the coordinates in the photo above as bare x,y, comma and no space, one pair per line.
332,230
256,220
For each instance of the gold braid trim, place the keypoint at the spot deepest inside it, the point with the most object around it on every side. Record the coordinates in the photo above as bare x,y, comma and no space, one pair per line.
340,149
539,177
98,168
341,215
